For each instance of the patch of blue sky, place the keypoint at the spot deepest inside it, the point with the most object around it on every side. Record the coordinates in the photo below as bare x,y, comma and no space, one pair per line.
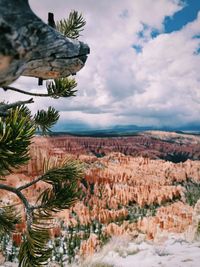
176,22
197,51
141,34
187,14
154,33
138,48
197,36
147,32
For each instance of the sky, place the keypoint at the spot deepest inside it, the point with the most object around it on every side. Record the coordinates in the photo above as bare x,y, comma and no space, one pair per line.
143,69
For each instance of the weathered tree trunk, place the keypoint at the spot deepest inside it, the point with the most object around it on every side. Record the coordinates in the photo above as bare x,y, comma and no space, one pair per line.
30,47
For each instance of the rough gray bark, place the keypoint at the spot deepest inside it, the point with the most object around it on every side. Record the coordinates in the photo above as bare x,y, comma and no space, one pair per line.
30,47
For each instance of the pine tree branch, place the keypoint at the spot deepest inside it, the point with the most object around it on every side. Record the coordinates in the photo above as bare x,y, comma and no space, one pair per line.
72,26
20,188
9,217
45,120
37,207
5,88
5,107
24,200
63,87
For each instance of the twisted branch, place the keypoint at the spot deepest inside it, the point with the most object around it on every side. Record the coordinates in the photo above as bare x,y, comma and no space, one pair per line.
23,199
5,88
5,107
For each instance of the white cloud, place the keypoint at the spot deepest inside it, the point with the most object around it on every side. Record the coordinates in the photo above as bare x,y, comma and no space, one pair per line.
119,86
169,68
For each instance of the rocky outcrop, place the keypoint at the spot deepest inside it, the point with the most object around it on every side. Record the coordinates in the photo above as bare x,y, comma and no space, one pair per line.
173,218
193,231
89,246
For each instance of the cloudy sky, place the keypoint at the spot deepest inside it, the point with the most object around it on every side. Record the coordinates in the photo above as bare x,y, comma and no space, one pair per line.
144,66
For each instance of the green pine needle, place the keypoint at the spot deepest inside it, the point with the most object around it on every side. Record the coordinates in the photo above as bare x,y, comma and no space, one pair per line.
72,26
16,131
44,120
8,219
64,190
34,251
63,87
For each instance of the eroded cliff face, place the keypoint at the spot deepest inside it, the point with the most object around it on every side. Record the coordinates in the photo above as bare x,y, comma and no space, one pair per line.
122,194
151,145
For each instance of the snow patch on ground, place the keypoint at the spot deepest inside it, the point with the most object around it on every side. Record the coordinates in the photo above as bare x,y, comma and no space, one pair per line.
174,252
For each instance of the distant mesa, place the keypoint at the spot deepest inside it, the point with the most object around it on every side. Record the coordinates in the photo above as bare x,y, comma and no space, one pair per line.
81,129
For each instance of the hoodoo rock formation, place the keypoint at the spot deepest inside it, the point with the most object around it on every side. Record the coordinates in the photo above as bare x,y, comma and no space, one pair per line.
121,194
